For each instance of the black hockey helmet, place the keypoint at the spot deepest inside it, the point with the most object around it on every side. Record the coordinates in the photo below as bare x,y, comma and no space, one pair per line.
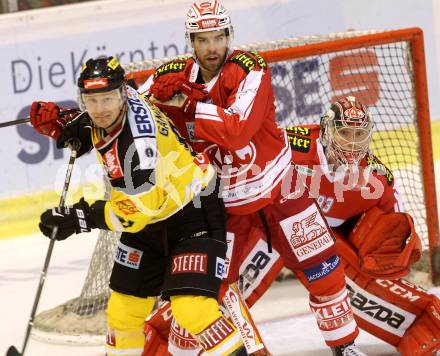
100,75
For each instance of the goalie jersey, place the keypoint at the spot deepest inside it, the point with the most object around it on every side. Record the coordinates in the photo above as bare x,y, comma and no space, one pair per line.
341,194
152,171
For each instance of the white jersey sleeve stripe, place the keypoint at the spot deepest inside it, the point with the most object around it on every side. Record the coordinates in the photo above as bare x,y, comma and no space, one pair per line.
207,112
144,88
245,96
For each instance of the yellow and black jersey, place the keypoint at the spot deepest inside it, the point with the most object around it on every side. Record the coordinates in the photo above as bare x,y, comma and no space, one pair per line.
152,171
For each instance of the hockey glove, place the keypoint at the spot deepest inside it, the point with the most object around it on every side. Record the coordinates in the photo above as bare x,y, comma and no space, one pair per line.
387,243
79,129
166,86
73,219
179,102
49,119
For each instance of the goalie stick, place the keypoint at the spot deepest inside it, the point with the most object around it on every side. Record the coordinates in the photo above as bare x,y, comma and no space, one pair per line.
12,351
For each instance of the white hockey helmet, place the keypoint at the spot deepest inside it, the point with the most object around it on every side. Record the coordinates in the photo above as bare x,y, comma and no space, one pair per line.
346,131
207,16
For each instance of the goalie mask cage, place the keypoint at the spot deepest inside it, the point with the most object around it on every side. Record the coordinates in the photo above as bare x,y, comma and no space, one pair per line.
384,69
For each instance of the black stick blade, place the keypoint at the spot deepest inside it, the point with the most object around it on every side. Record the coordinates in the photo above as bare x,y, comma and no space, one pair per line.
12,351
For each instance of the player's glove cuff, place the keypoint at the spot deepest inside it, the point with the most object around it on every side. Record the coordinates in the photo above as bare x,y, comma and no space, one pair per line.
97,214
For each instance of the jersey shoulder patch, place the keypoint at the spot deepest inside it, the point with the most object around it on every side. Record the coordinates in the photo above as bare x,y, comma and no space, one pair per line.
261,61
299,138
245,60
380,168
175,66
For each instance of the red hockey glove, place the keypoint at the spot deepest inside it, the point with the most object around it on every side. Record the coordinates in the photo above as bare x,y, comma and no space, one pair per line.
49,119
174,91
166,86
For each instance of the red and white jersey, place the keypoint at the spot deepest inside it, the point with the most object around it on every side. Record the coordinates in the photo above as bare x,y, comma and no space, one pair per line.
236,127
341,194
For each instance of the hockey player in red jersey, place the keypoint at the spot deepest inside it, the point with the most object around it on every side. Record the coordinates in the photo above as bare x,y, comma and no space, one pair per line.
235,125
375,238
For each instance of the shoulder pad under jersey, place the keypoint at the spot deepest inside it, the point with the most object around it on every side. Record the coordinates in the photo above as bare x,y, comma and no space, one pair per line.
175,66
247,60
380,168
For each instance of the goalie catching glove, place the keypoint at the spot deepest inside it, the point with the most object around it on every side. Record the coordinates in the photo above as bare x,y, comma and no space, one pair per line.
49,119
70,220
387,243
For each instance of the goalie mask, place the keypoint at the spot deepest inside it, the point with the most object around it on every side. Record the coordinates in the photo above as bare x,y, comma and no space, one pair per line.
346,131
207,16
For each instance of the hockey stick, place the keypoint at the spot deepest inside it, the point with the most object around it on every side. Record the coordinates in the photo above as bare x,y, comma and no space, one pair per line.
27,119
12,351
14,122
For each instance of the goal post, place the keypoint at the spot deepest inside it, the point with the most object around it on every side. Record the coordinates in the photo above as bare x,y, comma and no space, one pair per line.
385,69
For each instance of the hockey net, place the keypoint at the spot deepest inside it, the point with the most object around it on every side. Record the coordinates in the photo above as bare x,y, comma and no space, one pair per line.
384,69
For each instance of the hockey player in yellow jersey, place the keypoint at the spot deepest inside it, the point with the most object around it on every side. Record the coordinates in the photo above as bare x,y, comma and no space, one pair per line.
161,193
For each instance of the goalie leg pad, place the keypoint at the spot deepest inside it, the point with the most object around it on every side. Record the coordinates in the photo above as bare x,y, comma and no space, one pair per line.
125,319
155,344
257,266
423,337
181,342
196,268
386,308
220,338
164,336
156,330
